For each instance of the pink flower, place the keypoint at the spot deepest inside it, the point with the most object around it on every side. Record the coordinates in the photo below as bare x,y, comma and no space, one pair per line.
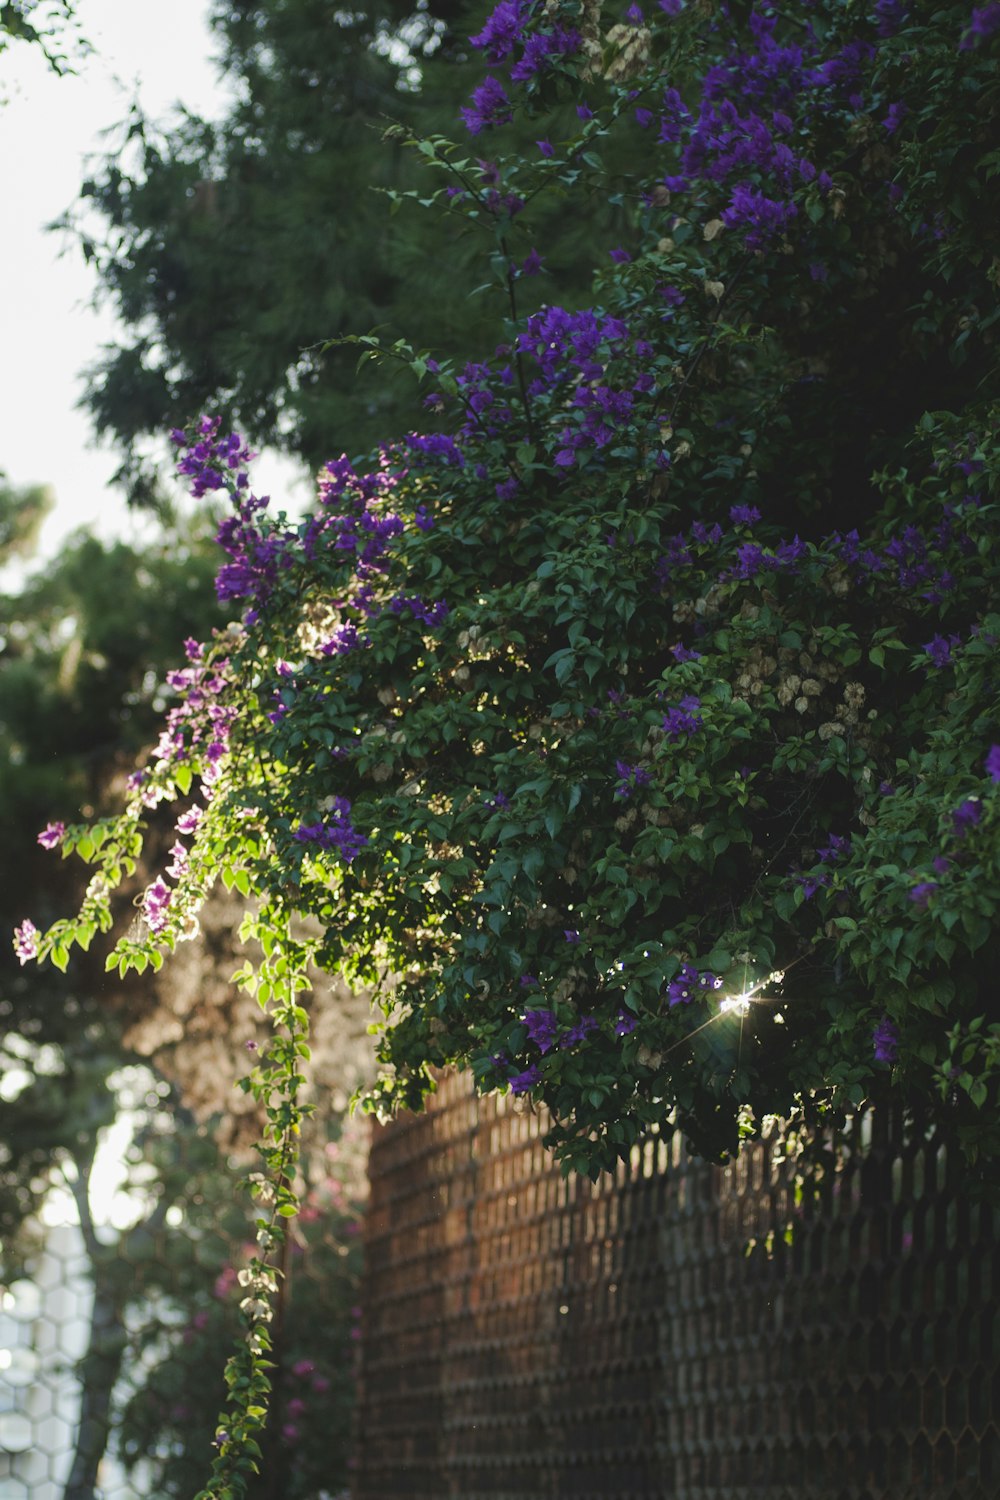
51,835
26,941
155,903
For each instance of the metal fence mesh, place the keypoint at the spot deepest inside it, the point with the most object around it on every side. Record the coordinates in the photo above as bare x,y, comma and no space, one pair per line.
684,1330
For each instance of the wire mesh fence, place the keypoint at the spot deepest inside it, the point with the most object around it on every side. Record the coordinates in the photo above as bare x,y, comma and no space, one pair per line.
683,1331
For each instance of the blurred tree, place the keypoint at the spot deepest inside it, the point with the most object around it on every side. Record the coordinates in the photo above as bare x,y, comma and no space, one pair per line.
22,511
49,25
231,251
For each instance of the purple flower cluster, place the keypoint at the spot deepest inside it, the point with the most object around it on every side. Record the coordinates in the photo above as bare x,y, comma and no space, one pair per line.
836,848
690,984
490,105
51,835
428,614
760,220
353,519
336,832
579,1031
543,1028
939,649
201,723
503,31
966,816
212,462
752,559
520,1083
922,892
505,34
630,779
684,719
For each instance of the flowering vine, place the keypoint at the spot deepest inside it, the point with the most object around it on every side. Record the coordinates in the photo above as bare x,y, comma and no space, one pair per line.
631,724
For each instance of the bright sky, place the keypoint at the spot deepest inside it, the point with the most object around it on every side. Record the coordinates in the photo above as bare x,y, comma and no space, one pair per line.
48,332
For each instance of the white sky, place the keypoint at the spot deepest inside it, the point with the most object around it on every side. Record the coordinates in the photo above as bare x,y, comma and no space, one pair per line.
48,332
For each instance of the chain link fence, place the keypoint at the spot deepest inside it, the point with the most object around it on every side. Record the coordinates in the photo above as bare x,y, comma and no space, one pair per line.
682,1331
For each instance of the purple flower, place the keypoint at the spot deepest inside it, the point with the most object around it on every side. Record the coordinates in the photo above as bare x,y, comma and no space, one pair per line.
630,778
531,264
545,147
520,1083
51,835
625,1023
528,981
619,256
744,515
940,864
921,893
886,789
542,1028
26,941
251,1046
885,1039
489,106
571,935
503,30
939,649
682,989
966,815
683,719
579,1031
761,219
336,833
984,21
680,652
894,118
835,849
991,765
